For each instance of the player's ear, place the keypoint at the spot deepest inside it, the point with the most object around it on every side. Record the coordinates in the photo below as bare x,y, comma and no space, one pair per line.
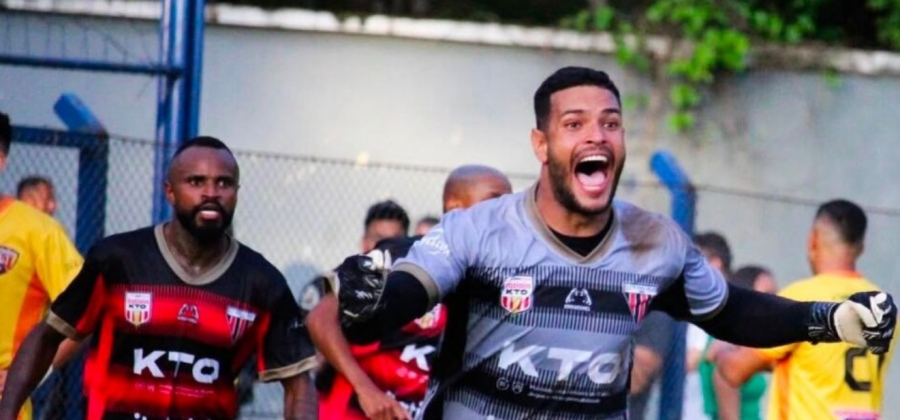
452,204
170,192
539,144
858,249
812,242
2,161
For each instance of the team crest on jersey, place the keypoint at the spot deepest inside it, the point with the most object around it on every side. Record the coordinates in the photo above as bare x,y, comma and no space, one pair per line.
8,258
189,313
240,321
138,308
516,295
638,297
431,319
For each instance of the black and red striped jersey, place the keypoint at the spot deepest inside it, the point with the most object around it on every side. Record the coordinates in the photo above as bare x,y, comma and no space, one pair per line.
168,345
399,363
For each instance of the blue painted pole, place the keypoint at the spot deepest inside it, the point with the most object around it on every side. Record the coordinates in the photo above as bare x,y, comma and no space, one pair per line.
178,99
93,164
684,201
87,65
196,26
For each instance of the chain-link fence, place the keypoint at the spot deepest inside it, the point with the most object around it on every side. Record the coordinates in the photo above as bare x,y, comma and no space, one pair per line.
305,214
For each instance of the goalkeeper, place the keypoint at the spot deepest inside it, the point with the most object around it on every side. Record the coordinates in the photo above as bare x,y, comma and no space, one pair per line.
546,287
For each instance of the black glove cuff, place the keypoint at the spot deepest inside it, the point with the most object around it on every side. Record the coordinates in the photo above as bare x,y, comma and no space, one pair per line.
821,328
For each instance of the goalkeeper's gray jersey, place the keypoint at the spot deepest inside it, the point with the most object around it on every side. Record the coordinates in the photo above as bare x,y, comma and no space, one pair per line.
536,331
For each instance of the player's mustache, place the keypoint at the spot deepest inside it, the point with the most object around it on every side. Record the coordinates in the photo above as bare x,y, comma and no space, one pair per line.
208,205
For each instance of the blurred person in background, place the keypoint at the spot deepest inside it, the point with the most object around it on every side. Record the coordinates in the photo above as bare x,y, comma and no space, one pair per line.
717,252
721,401
384,219
37,262
387,379
424,224
835,381
652,345
38,192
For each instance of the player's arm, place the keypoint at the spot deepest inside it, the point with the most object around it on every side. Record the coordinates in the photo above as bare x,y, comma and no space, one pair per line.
696,341
67,350
284,350
652,344
734,314
325,330
28,368
737,364
373,302
57,265
300,398
73,315
728,398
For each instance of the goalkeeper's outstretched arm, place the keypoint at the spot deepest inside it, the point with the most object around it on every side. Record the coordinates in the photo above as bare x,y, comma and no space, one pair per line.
754,319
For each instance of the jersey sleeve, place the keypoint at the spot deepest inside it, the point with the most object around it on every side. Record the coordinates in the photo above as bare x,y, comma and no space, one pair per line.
285,348
58,261
77,310
704,286
699,291
439,260
777,353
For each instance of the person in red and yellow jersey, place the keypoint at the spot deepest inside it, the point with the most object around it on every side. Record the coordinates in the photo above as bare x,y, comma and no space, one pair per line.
37,262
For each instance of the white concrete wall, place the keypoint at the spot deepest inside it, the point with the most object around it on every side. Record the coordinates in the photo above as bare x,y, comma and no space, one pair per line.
427,102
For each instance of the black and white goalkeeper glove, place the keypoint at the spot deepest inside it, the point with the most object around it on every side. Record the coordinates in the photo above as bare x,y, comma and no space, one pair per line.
866,319
359,283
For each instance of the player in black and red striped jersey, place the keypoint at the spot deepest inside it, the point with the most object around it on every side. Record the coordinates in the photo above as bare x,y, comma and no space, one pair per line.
175,310
387,379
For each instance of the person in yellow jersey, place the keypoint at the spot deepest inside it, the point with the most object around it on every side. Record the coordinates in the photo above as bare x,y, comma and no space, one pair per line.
37,262
826,381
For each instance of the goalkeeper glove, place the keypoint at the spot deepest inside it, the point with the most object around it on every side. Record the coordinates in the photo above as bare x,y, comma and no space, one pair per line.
359,283
865,319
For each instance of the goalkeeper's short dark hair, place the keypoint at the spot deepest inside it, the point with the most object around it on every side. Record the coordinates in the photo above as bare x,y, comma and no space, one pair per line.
387,210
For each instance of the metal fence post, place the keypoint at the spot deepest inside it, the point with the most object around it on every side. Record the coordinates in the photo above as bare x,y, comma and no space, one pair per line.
684,200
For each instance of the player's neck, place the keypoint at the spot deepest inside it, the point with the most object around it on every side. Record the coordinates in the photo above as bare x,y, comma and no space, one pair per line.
834,258
835,266
194,255
564,221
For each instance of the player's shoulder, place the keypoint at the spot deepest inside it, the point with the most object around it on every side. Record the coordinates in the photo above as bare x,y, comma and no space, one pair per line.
257,265
27,217
801,287
486,213
830,287
637,225
129,238
134,241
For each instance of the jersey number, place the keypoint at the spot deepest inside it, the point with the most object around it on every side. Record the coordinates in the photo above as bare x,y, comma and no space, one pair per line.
849,377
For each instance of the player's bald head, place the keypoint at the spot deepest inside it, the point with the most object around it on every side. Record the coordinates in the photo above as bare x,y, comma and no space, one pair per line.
199,148
471,184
